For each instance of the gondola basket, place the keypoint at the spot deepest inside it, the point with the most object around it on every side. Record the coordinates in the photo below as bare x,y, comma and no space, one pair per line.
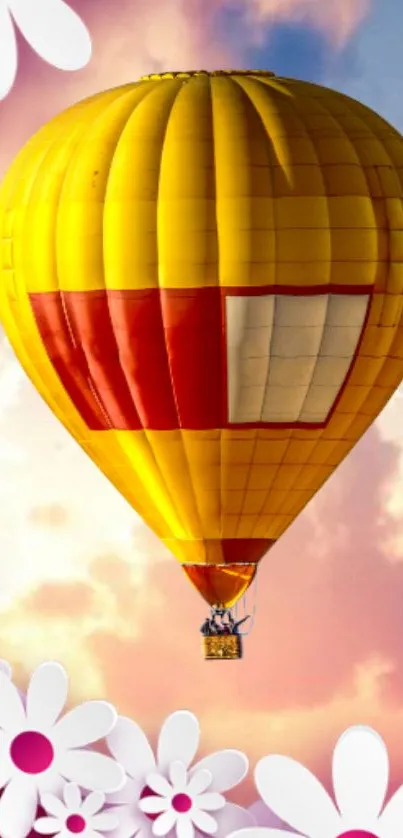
222,647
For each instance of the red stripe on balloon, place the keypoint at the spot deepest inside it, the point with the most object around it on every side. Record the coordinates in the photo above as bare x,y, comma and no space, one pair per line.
153,359
137,359
66,357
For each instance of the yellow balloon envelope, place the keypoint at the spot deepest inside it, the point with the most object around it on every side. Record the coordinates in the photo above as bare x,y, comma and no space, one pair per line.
202,275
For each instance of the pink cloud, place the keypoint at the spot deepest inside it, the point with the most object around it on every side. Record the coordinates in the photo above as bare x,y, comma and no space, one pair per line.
54,600
52,515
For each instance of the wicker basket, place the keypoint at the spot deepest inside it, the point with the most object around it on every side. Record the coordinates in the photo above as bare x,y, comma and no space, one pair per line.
222,647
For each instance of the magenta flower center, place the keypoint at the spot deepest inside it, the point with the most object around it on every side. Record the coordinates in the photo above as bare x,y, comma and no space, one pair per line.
357,833
181,802
31,752
75,824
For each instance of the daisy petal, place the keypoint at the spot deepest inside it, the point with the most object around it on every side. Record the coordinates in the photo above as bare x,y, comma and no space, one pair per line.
199,782
15,819
360,774
54,31
92,770
51,782
296,796
159,784
178,774
8,52
6,766
5,667
184,828
52,804
46,695
233,817
105,821
72,796
93,803
227,767
154,805
204,822
130,823
210,802
164,823
389,824
12,714
178,739
129,793
130,747
47,826
85,724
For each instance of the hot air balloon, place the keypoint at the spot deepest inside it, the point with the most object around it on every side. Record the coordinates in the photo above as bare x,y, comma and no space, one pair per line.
202,274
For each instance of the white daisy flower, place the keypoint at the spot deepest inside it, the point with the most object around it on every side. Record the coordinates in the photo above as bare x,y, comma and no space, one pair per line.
38,750
165,794
75,816
360,780
183,803
52,29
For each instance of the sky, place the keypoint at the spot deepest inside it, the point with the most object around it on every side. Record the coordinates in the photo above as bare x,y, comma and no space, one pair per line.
81,578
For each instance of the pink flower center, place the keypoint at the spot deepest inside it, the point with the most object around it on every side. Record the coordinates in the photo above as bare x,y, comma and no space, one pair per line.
181,802
357,833
75,824
31,752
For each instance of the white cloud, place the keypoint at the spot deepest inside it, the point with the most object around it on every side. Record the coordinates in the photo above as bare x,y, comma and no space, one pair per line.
42,466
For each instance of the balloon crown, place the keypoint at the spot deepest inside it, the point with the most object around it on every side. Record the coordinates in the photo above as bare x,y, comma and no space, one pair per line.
187,74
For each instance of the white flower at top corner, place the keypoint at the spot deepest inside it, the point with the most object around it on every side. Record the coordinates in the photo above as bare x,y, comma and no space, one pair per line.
39,750
74,816
53,30
360,778
166,795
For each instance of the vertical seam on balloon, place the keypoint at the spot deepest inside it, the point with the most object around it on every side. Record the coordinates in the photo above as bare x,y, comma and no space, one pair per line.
267,377
174,394
127,93
4,290
328,112
68,326
80,134
89,128
101,117
363,169
232,82
159,467
313,148
243,85
312,143
293,434
82,353
318,354
147,92
223,360
255,109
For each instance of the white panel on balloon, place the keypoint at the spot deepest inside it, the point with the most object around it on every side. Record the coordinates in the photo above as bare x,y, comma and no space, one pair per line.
288,355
